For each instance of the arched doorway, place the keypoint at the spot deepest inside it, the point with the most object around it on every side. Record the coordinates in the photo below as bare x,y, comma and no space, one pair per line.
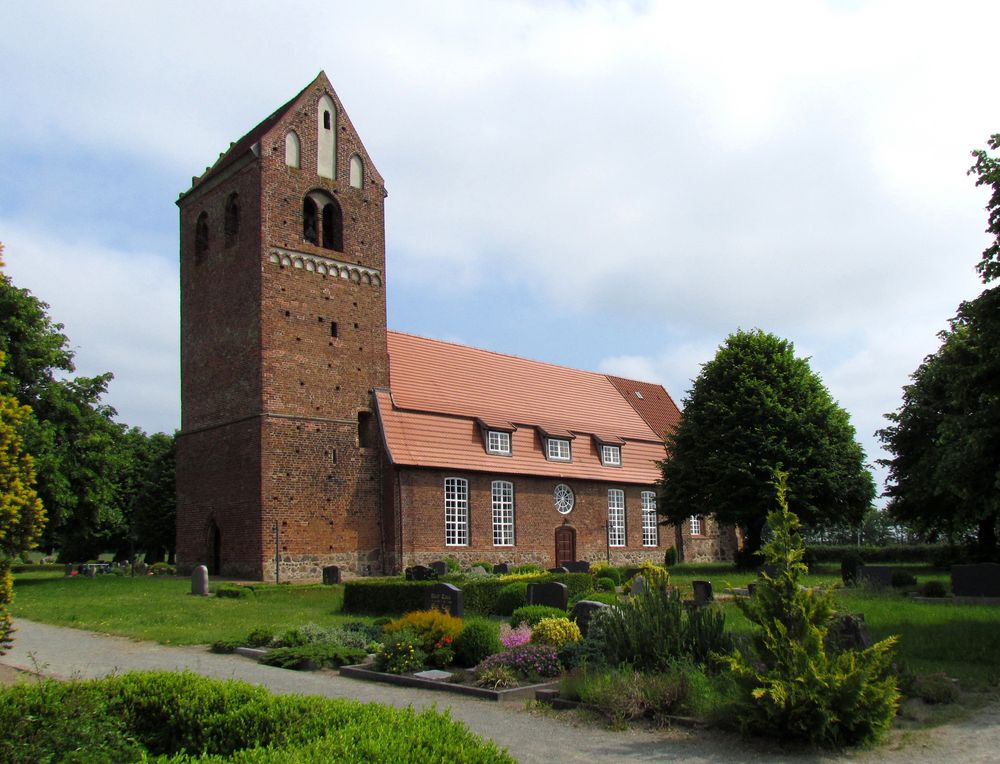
214,549
565,545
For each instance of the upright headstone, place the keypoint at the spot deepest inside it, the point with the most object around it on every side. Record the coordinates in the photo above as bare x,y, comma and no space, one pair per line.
638,585
502,567
580,566
702,592
440,567
751,588
560,569
199,581
331,575
477,570
91,571
875,575
421,573
583,612
980,580
445,597
552,593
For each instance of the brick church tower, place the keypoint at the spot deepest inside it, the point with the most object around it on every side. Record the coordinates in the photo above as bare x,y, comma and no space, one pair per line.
283,339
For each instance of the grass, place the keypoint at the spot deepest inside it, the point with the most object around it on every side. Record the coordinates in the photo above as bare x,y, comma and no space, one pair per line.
161,608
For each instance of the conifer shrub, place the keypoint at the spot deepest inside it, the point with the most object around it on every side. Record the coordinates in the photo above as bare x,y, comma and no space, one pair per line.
532,614
258,638
511,597
789,686
309,657
605,584
478,640
646,631
705,635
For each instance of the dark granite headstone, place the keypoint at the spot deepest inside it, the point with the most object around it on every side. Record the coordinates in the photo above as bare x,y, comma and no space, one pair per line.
440,567
445,597
552,594
581,566
421,573
199,581
980,580
848,632
875,575
331,575
702,592
751,588
583,611
502,567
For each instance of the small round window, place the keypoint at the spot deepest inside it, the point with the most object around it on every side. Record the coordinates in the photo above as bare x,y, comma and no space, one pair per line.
563,499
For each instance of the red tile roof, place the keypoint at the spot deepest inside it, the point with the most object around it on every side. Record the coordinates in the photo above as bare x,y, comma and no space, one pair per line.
442,393
653,403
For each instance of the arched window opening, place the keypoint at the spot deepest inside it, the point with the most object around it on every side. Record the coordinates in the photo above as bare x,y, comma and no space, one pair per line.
326,138
293,150
310,230
232,226
357,172
201,236
333,226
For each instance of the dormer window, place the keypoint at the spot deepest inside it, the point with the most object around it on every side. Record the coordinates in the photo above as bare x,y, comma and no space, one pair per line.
611,456
557,449
498,442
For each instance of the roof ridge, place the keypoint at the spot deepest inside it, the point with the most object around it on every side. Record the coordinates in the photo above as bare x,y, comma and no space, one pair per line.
507,355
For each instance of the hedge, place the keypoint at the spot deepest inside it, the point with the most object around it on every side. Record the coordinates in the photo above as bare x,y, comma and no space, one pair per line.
189,718
384,595
914,553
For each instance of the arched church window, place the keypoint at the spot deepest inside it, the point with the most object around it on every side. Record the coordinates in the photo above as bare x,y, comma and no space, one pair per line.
232,226
326,138
357,172
293,150
201,236
310,227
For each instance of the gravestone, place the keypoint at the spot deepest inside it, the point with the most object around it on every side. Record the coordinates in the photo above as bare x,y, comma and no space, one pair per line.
581,566
331,575
751,588
560,569
583,612
440,567
477,570
199,581
502,567
875,575
141,569
90,571
445,597
702,592
638,585
848,632
421,573
552,594
980,580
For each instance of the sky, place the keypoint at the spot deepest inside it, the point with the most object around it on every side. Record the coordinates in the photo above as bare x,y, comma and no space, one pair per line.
611,186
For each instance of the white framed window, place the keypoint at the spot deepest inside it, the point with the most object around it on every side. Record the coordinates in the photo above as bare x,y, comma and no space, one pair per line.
557,449
498,442
695,522
563,499
650,531
357,172
611,456
616,517
503,513
456,512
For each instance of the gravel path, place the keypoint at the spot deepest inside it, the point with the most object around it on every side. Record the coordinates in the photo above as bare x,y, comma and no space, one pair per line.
529,736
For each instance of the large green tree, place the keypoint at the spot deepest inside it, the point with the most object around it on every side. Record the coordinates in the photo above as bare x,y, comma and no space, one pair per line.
70,432
944,474
753,407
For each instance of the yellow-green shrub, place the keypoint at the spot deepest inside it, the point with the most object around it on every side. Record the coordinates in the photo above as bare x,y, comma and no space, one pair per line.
556,632
656,576
431,626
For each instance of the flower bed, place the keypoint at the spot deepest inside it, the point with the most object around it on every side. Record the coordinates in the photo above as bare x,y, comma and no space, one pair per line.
525,692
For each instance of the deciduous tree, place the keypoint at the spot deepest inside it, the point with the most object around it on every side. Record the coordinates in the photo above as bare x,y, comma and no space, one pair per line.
753,406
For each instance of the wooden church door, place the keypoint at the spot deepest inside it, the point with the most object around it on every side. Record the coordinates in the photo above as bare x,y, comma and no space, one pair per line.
565,545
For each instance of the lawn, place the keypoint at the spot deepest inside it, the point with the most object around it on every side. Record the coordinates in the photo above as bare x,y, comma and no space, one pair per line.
161,608
935,636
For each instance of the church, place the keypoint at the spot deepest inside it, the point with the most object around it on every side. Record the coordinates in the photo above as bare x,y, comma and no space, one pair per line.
311,435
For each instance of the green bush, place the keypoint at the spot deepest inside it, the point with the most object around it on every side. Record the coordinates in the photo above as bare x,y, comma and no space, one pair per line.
902,553
670,557
603,570
136,717
478,640
313,656
401,652
608,598
901,579
259,638
384,595
556,632
576,583
453,564
233,591
482,594
705,637
532,614
511,597
291,638
225,646
933,589
487,566
789,685
605,584
625,694
646,631
528,567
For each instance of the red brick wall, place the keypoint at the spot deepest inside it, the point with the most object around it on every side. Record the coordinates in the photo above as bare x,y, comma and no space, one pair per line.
421,495
715,542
